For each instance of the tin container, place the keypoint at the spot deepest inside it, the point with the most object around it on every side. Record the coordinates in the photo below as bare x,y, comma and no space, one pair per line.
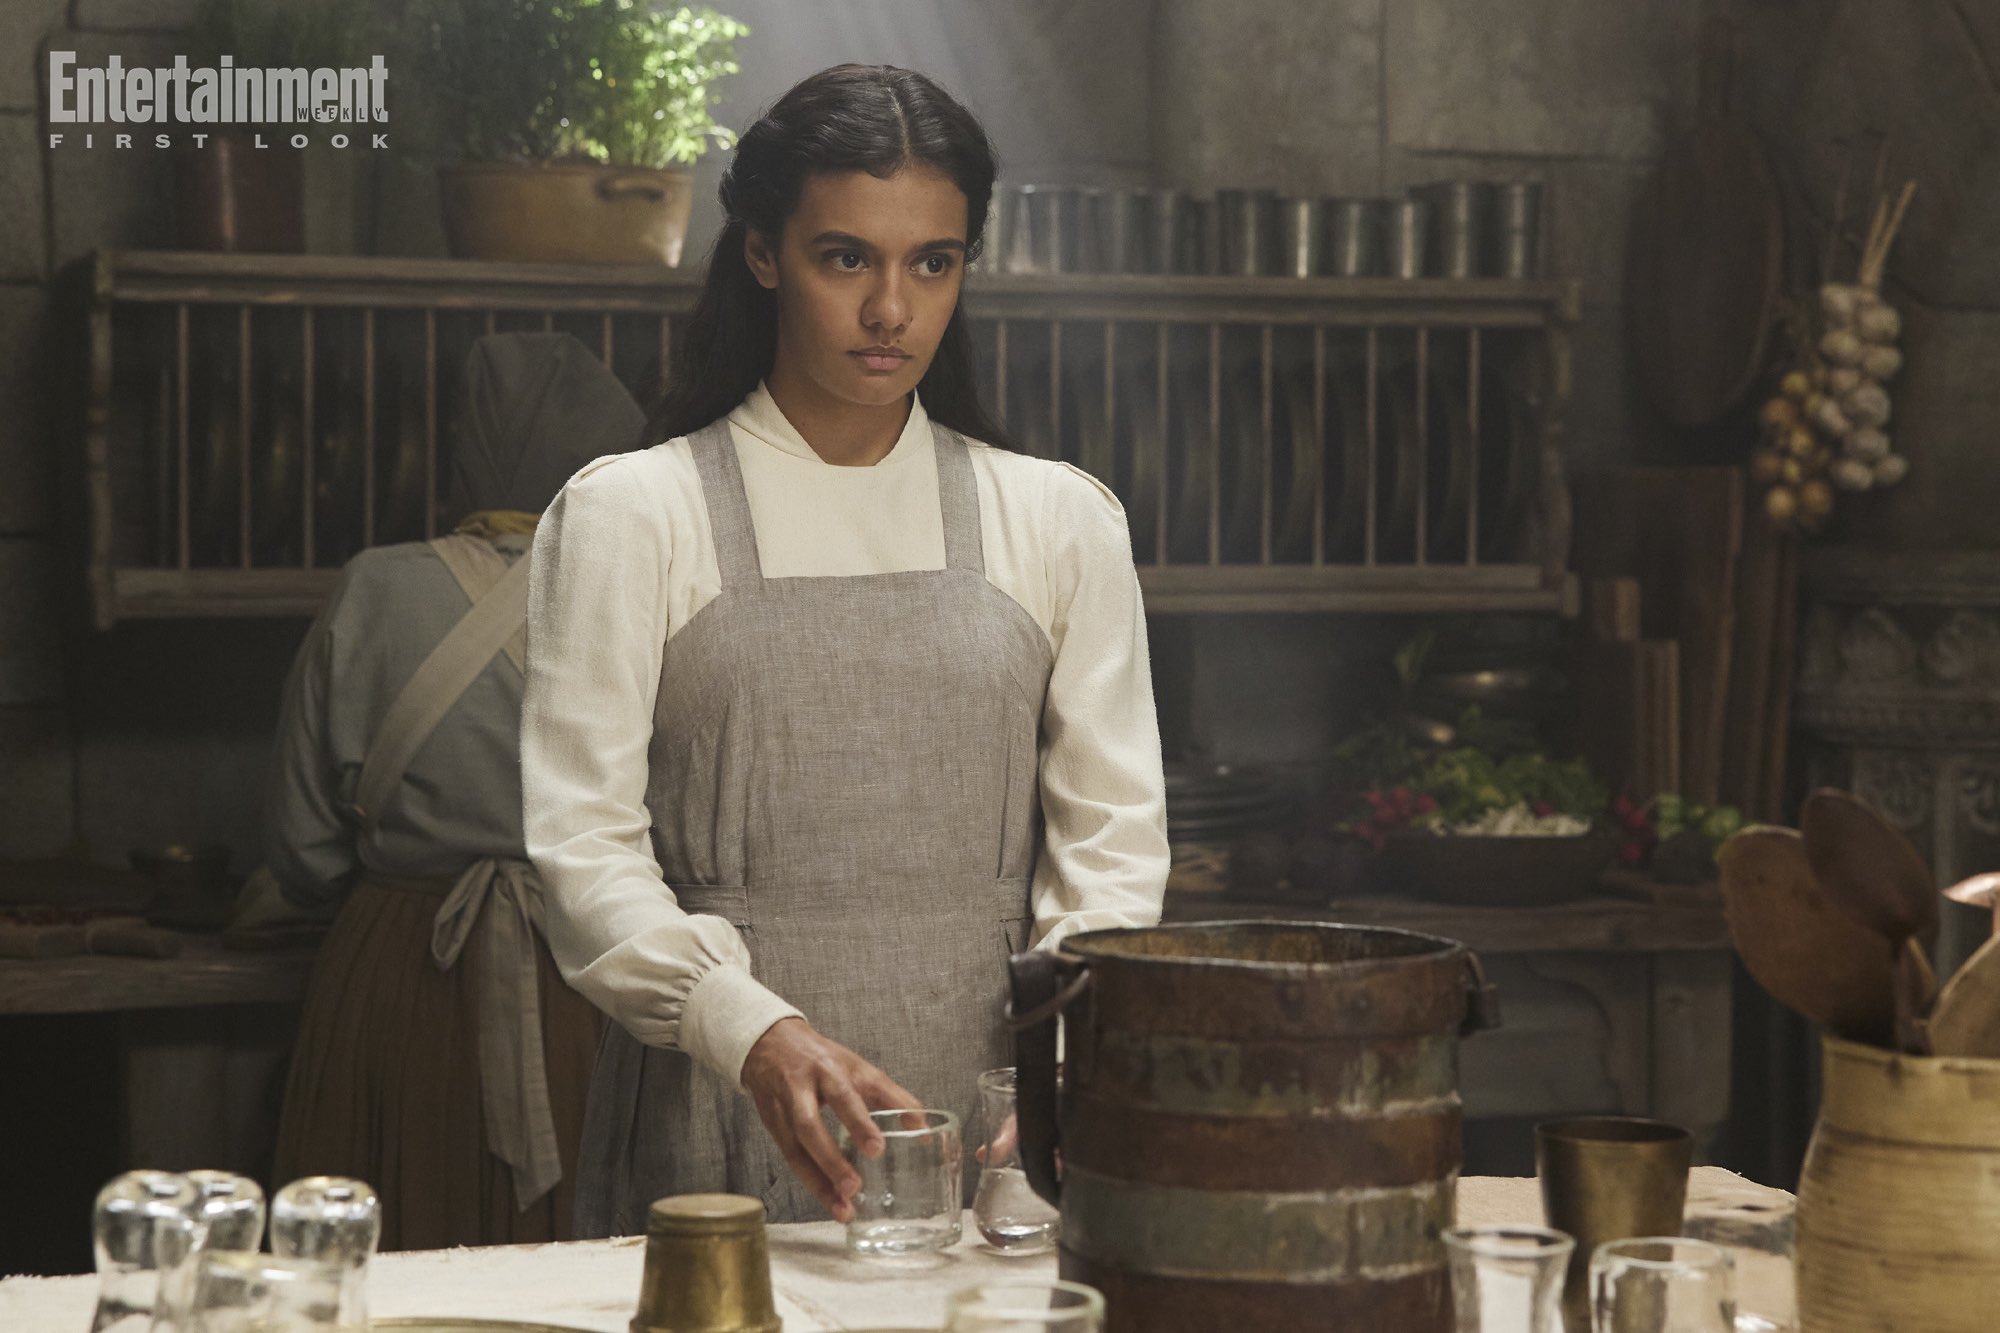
1517,231
1354,237
1899,1198
1301,237
1461,221
708,1267
1249,232
1406,238
1258,1123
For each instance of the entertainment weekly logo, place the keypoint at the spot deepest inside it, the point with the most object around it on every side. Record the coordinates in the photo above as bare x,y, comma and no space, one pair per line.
219,96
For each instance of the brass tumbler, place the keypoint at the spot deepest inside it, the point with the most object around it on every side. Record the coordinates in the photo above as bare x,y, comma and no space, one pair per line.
708,1269
1607,1178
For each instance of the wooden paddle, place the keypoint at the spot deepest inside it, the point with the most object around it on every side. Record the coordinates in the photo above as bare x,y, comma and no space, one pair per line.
1815,958
1705,259
1867,867
1966,1020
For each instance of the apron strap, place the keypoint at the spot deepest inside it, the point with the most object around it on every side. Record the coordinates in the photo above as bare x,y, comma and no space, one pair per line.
728,506
434,687
958,498
477,567
496,905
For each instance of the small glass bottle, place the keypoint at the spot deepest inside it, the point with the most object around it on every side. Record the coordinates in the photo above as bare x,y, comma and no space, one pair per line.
333,1220
125,1234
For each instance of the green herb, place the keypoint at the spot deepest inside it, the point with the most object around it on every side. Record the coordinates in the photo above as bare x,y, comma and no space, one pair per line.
616,81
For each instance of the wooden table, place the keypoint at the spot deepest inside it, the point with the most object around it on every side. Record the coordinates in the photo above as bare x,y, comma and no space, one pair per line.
594,1285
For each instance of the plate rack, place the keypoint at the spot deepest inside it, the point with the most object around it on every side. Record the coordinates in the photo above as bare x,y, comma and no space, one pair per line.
1278,444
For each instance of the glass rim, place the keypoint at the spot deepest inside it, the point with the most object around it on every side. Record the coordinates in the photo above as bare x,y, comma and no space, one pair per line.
994,1079
1700,1253
978,1298
939,1122
1489,1240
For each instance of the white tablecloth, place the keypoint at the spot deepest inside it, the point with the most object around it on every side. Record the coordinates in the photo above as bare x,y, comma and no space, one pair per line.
594,1284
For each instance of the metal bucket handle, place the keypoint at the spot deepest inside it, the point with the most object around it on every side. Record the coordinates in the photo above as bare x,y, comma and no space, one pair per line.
1044,984
1482,999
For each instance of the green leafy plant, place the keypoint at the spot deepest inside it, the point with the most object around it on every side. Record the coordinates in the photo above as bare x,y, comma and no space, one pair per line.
615,81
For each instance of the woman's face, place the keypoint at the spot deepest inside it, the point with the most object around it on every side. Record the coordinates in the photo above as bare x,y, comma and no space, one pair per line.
867,275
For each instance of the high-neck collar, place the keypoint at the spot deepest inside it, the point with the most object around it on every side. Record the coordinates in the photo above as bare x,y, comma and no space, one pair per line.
761,417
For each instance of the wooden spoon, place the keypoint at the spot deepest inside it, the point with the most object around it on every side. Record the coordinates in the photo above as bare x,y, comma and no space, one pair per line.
1967,1018
1979,891
1815,958
1867,867
1870,871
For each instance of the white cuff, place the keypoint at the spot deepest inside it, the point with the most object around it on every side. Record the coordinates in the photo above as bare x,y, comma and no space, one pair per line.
725,1014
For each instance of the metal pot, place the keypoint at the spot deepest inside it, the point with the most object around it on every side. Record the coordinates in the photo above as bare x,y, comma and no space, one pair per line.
560,212
1259,1122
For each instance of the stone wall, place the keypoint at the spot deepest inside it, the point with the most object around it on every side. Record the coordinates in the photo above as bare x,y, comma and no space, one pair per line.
156,731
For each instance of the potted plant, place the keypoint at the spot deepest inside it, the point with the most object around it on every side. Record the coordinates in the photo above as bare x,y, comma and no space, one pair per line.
574,122
230,193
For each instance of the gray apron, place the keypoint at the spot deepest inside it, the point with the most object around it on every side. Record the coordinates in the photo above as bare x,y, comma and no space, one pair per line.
845,768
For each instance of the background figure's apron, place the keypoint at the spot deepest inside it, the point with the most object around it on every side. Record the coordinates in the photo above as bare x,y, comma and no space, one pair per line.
846,769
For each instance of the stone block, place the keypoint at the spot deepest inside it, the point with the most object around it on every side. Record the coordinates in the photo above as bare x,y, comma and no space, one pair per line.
24,26
1944,402
133,15
27,453
24,245
31,622
1574,78
1601,428
1279,94
37,782
1926,76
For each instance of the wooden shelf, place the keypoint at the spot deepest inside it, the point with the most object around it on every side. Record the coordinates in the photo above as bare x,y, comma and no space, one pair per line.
204,338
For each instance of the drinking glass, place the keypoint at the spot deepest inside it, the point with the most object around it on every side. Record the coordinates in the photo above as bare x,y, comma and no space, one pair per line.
1662,1284
1011,1217
237,1292
909,1203
1025,1307
227,1213
333,1220
1760,1239
1507,1279
1609,1178
125,1233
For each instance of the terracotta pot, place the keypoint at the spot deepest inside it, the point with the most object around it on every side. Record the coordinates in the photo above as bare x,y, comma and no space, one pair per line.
1899,1198
566,212
232,195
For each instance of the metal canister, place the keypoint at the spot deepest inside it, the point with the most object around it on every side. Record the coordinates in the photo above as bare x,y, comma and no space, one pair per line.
1046,235
1517,231
1259,1122
1301,237
1249,232
708,1267
1165,226
1354,237
1406,237
1462,217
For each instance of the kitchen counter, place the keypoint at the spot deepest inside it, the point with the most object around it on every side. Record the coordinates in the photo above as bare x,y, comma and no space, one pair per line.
203,974
594,1285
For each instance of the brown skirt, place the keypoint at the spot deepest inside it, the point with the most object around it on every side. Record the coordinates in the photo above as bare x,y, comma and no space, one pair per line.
384,1082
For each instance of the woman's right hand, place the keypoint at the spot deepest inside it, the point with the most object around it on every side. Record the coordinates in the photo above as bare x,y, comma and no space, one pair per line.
790,1074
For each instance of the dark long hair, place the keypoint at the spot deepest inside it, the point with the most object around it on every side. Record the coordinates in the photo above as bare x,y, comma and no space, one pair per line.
873,118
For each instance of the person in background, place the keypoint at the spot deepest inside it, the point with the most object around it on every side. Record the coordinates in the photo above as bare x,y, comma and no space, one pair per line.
440,1057
831,702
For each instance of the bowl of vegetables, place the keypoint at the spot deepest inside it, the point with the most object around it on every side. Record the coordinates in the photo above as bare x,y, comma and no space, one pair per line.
1465,826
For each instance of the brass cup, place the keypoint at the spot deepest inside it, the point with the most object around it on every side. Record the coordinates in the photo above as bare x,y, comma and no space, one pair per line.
708,1269
1607,1178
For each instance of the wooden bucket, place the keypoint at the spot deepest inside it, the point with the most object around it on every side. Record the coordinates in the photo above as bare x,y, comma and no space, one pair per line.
1899,1198
1259,1122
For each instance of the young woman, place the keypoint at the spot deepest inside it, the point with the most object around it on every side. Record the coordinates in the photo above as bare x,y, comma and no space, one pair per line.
831,701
